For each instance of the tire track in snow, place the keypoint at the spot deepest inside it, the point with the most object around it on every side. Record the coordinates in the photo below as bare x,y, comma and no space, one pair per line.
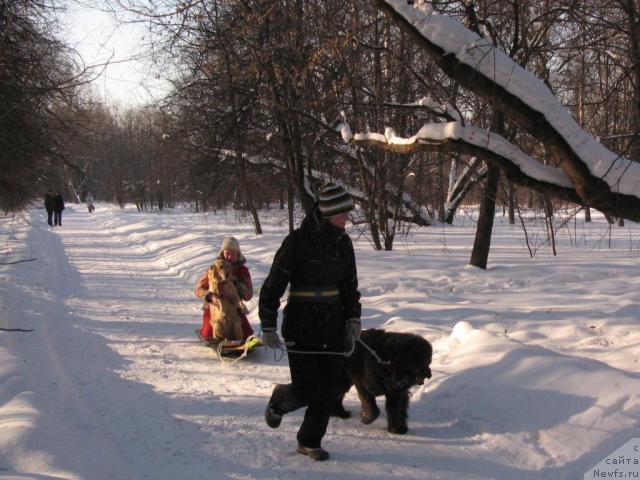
62,417
166,403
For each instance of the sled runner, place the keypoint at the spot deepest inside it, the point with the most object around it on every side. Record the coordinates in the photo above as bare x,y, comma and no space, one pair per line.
232,348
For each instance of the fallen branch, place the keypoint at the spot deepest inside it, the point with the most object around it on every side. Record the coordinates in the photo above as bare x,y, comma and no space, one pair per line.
18,261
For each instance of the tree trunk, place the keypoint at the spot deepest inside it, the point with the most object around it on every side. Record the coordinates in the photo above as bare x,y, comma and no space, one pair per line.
388,242
484,229
440,187
296,161
460,184
512,204
248,197
631,10
369,185
482,243
375,234
548,213
290,202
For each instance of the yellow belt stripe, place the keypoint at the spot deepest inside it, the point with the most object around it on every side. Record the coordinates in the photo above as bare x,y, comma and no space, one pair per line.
327,293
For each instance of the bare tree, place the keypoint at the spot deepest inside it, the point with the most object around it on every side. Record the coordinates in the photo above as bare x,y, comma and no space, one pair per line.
581,178
280,79
37,76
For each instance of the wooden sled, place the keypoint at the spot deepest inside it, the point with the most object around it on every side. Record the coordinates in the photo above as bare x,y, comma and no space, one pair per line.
231,348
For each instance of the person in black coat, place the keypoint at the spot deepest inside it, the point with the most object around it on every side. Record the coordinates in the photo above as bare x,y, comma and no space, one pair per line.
321,319
48,206
58,207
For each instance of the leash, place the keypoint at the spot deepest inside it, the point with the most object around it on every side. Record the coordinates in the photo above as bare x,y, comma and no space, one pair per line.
373,352
279,348
342,354
309,352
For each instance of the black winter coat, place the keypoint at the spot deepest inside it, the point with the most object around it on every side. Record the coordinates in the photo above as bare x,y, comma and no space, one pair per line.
318,254
58,203
49,202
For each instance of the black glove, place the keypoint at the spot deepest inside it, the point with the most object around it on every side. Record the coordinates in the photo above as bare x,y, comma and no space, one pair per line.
209,297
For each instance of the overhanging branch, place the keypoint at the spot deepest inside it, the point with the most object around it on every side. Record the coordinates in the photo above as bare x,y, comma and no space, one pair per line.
563,138
486,146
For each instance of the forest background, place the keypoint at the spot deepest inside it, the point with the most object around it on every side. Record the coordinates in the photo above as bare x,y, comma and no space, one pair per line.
264,95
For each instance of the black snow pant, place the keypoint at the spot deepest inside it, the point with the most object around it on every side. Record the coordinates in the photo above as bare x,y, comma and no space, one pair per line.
315,383
50,217
57,218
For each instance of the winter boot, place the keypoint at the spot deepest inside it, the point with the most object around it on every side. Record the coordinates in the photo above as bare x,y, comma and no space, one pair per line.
272,416
273,413
318,454
282,401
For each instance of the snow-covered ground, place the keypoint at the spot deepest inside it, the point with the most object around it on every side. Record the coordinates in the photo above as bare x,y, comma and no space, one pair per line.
536,361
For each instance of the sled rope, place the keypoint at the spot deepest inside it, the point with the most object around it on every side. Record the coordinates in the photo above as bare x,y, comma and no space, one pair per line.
219,351
245,351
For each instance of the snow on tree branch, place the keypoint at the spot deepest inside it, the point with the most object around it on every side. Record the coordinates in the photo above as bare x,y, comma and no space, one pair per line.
489,146
600,178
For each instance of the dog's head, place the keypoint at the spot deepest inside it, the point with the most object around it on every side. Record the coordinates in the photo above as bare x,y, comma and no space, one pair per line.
410,365
221,269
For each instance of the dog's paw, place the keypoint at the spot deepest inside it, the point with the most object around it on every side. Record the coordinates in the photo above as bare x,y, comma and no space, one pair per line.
398,429
341,413
369,417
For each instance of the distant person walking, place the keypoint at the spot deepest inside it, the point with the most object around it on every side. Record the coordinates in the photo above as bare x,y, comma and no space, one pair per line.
58,207
89,200
48,206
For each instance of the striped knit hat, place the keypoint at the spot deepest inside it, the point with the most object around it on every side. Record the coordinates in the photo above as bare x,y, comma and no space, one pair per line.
334,199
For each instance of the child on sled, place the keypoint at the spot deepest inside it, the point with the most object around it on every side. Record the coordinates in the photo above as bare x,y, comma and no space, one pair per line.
229,251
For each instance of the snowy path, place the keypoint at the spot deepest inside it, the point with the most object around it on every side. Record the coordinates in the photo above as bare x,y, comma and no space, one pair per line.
112,384
137,396
123,374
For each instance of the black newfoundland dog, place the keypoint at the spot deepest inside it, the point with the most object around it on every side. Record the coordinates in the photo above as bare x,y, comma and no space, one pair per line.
405,361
